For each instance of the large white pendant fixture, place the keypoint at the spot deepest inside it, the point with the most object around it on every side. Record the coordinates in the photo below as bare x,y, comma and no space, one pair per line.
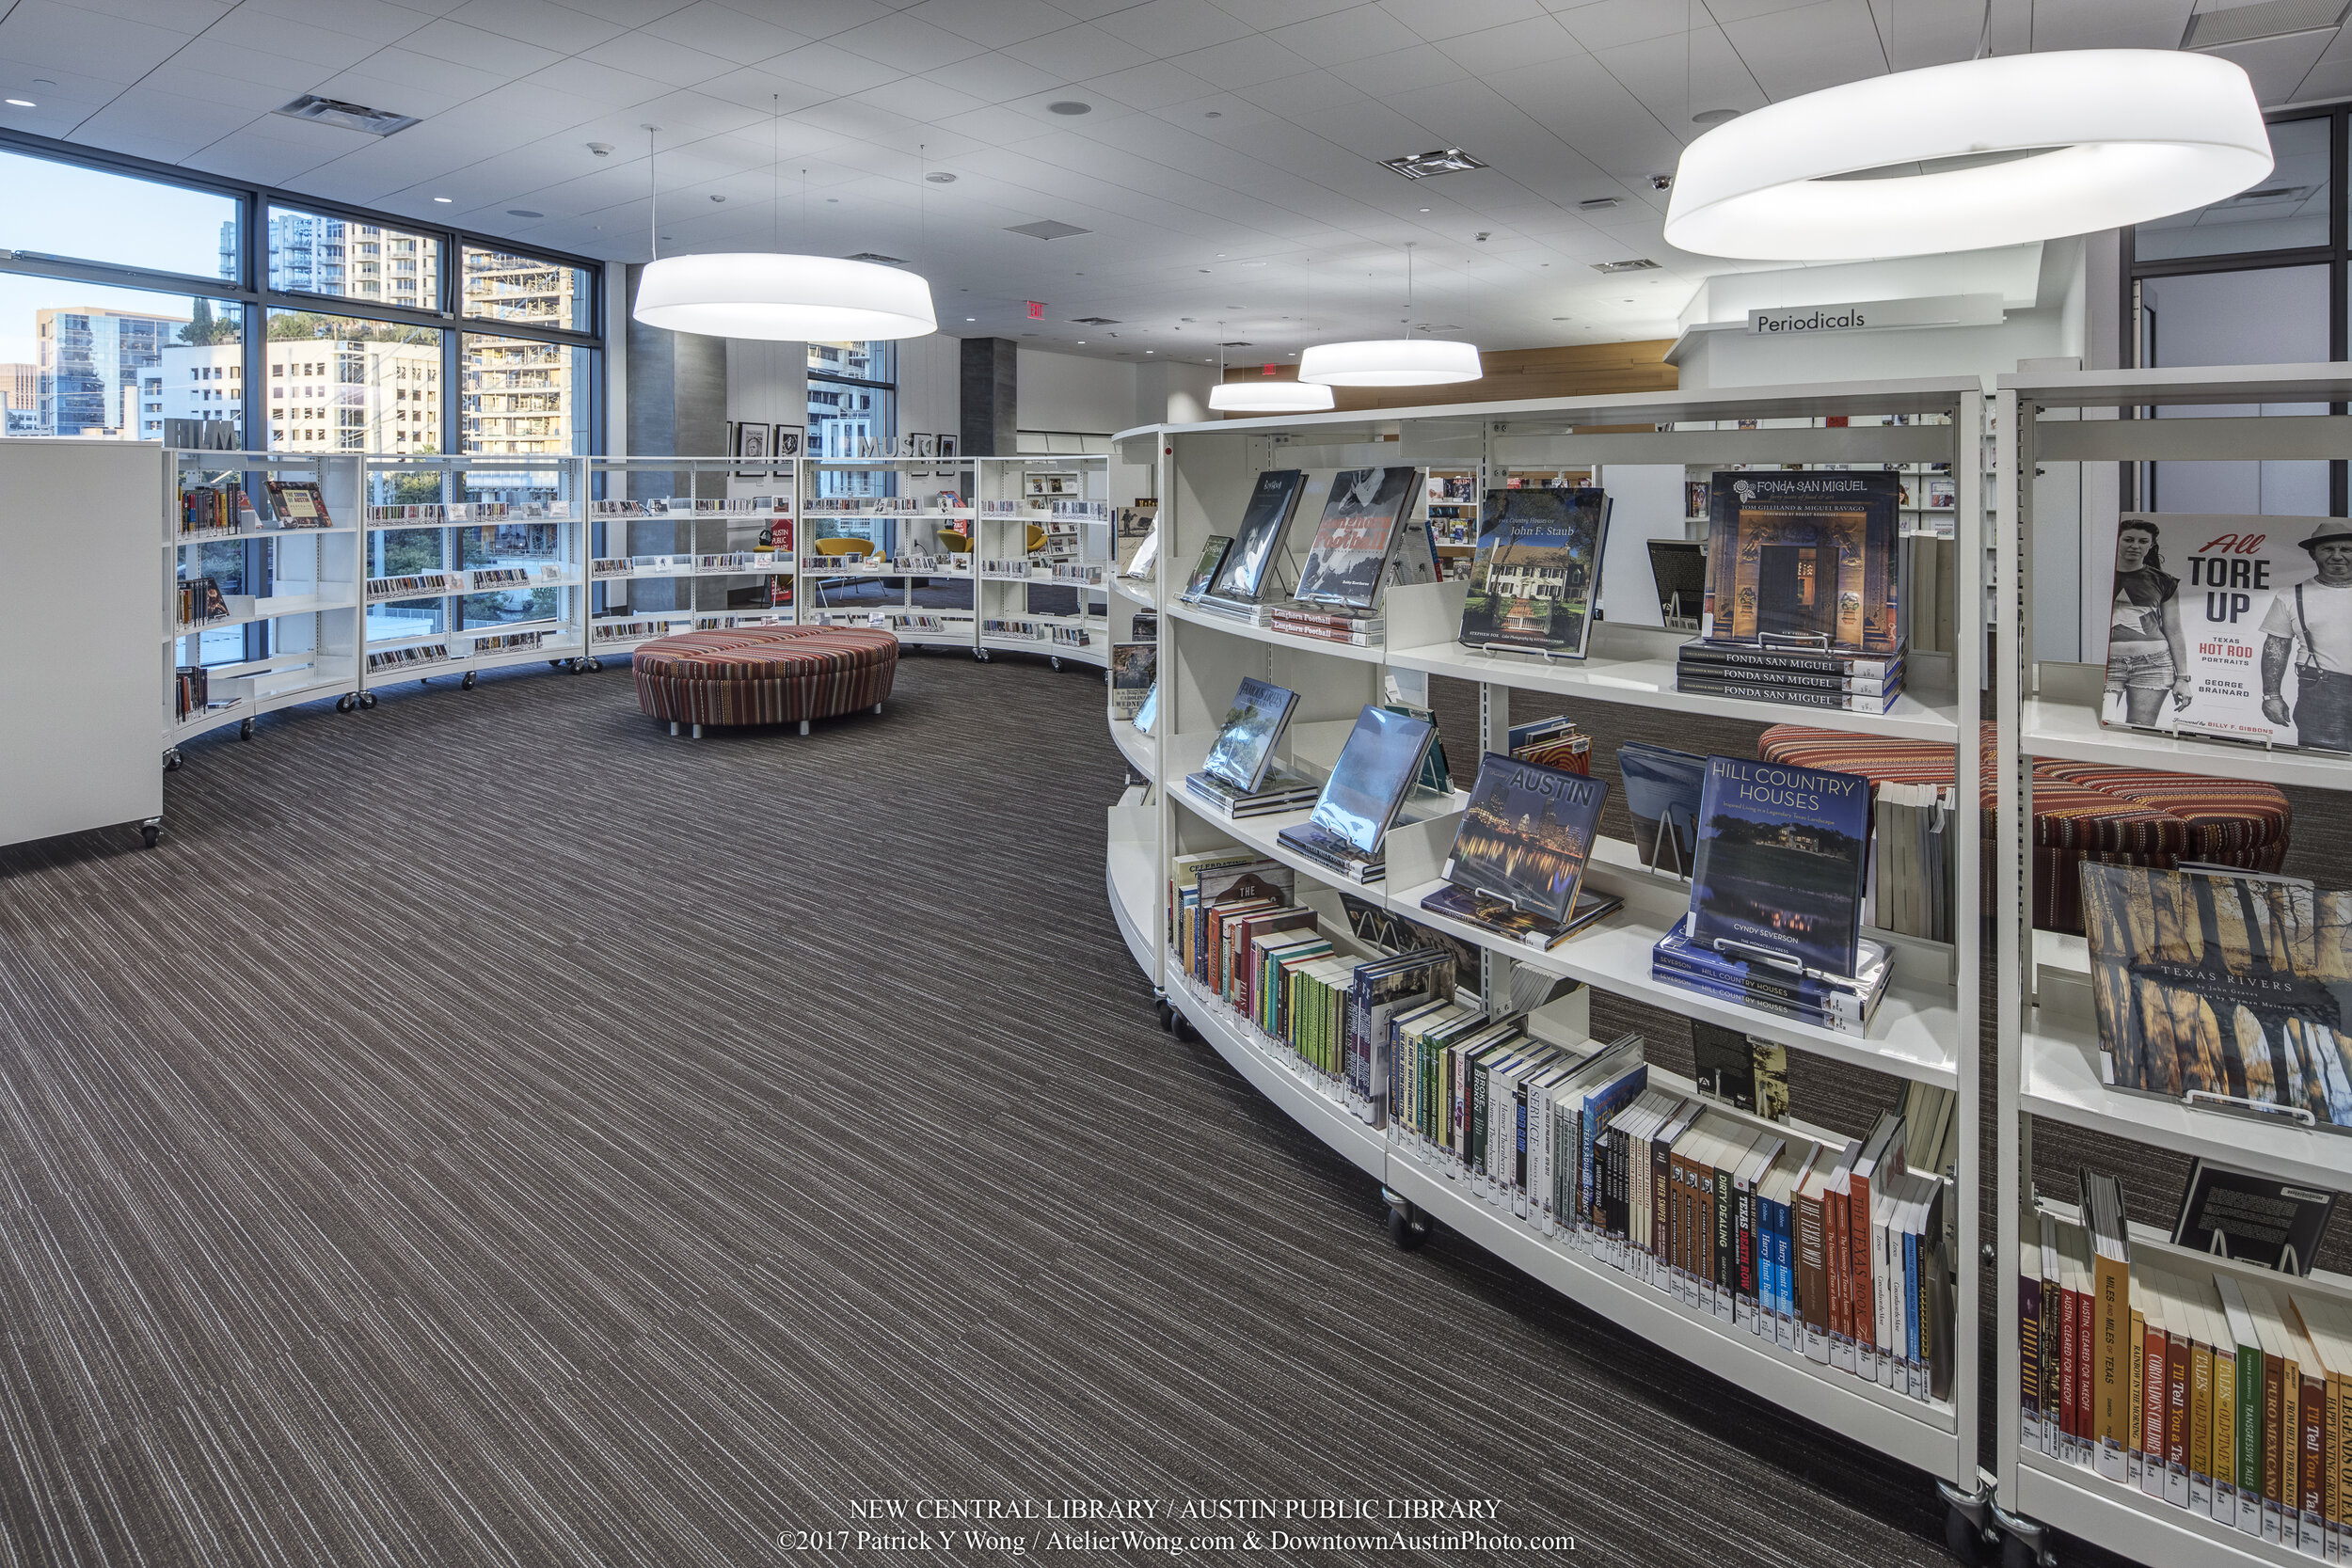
1393,361
1978,153
1270,396
783,298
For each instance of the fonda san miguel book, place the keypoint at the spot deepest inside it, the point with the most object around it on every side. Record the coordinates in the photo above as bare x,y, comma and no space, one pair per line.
2232,626
1811,558
1536,571
1782,855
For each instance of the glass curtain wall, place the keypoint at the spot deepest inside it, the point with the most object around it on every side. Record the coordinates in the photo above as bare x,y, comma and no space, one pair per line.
852,410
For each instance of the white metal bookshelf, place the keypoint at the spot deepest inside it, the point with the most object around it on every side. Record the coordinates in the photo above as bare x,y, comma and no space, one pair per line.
1926,1029
1040,498
686,544
292,633
2048,1039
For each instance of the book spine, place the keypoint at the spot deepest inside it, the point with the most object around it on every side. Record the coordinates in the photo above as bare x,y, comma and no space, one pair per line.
2029,1357
1813,1276
1846,702
2274,1424
2176,1421
1865,1300
1732,657
1787,680
2066,1353
1834,1022
2312,1459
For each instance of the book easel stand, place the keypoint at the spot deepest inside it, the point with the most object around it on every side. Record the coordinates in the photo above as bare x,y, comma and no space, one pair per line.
1750,953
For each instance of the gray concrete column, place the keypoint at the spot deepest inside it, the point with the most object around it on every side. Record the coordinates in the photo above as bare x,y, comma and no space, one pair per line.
990,398
677,407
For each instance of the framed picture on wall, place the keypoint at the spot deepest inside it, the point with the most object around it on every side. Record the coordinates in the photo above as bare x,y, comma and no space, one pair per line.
786,442
948,451
752,445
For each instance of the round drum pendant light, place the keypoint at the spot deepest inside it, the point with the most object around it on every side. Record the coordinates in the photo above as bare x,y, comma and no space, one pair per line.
1391,362
758,294
1270,396
1982,152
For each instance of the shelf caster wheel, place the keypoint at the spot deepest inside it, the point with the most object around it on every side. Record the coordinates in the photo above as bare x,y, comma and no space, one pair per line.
173,760
366,701
1167,1015
151,831
595,665
245,730
1408,1228
1967,1521
1963,1538
466,684
346,702
555,664
2025,1542
1055,659
981,655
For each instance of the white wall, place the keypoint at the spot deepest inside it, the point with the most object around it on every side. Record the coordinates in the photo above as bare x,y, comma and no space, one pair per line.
931,386
1172,391
766,382
1646,502
1066,391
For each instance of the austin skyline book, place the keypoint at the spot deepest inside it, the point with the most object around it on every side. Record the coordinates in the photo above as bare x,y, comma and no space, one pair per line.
1257,542
1536,571
1525,835
1357,546
1804,560
2221,986
1782,856
1253,726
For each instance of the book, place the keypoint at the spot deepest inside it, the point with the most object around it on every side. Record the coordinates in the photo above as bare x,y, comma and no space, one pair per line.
2251,640
1245,738
1536,572
1135,674
202,601
1369,539
1854,997
2217,988
1498,915
2252,1218
1204,571
1367,786
1554,742
1281,791
299,503
1808,558
1734,657
2112,1411
1740,1070
1663,788
1145,556
1243,572
1148,711
1526,834
1782,855
1844,702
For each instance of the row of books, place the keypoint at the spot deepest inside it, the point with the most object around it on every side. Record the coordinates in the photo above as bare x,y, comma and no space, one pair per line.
629,631
1014,566
200,602
508,641
664,506
1073,637
1850,683
1842,1004
1911,850
2224,1395
217,508
413,585
1031,631
409,658
192,693
482,511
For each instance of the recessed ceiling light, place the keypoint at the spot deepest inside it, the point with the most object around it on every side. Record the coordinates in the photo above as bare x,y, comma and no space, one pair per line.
1069,106
24,103
718,198
970,317
1151,351
1213,114
1713,116
941,179
523,213
1082,343
1424,209
442,200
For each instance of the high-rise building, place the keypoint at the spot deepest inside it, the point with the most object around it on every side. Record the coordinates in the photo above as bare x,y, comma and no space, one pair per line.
90,357
313,253
191,381
19,385
361,394
520,397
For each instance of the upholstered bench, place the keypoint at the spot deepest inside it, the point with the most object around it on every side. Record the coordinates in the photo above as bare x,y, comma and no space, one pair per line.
764,675
2081,811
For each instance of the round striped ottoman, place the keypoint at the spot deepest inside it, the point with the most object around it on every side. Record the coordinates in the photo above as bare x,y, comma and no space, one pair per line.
764,675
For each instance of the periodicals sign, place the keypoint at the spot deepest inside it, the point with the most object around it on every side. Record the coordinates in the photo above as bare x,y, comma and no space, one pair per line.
2238,626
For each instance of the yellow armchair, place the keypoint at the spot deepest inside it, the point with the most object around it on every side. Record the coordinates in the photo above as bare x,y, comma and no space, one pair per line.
1037,537
954,543
844,547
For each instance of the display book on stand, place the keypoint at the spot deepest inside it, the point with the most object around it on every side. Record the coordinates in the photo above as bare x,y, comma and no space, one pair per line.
1802,606
1372,536
1837,1253
2205,1387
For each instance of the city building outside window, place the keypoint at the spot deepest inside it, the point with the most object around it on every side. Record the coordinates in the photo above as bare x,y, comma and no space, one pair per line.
852,407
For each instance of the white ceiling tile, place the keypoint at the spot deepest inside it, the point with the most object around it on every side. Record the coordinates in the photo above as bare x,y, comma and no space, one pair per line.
286,35
994,23
1436,20
1400,72
597,88
410,82
1579,102
536,21
995,78
198,71
1293,96
1244,63
1809,48
445,39
1151,87
994,126
2329,78
2109,24
760,90
246,154
907,44
181,16
45,33
1220,115
377,22
1606,23
930,101
821,65
1163,28
729,34
2277,66
623,13
1517,43
1080,50
148,121
1678,78
664,59
1354,34
1270,14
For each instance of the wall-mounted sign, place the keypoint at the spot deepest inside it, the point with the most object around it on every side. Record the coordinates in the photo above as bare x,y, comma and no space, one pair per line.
1873,315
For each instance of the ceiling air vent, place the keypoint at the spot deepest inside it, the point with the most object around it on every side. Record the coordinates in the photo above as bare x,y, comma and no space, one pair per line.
1047,228
2273,192
1242,342
878,259
1420,165
351,117
1599,204
1095,321
1640,263
2270,19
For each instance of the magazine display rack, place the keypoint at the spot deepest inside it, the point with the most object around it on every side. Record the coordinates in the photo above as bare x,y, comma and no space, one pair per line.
1925,1031
292,635
2048,1038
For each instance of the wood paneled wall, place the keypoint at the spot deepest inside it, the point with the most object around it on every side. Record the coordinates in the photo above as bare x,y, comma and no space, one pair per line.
1579,370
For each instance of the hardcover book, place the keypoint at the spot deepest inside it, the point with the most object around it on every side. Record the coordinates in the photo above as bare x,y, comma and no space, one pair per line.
2229,988
1743,1072
1204,570
1252,726
1360,544
1805,560
1257,542
2235,626
1525,835
2250,1218
1495,914
1537,571
1662,795
299,503
1134,669
1368,784
1782,856
1147,714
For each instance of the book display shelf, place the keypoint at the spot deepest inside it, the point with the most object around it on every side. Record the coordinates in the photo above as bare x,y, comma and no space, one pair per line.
262,609
2052,1064
687,543
1042,554
888,545
1924,1032
472,564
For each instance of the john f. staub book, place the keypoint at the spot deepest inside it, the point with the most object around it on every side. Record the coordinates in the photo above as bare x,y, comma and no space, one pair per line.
1782,855
1805,560
1370,539
2224,988
1537,570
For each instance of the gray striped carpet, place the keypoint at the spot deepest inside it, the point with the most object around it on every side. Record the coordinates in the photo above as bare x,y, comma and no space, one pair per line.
490,1132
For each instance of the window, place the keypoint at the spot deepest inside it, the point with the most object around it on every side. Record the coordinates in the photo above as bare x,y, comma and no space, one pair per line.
522,397
2286,212
69,212
852,403
317,253
336,375
501,286
73,359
